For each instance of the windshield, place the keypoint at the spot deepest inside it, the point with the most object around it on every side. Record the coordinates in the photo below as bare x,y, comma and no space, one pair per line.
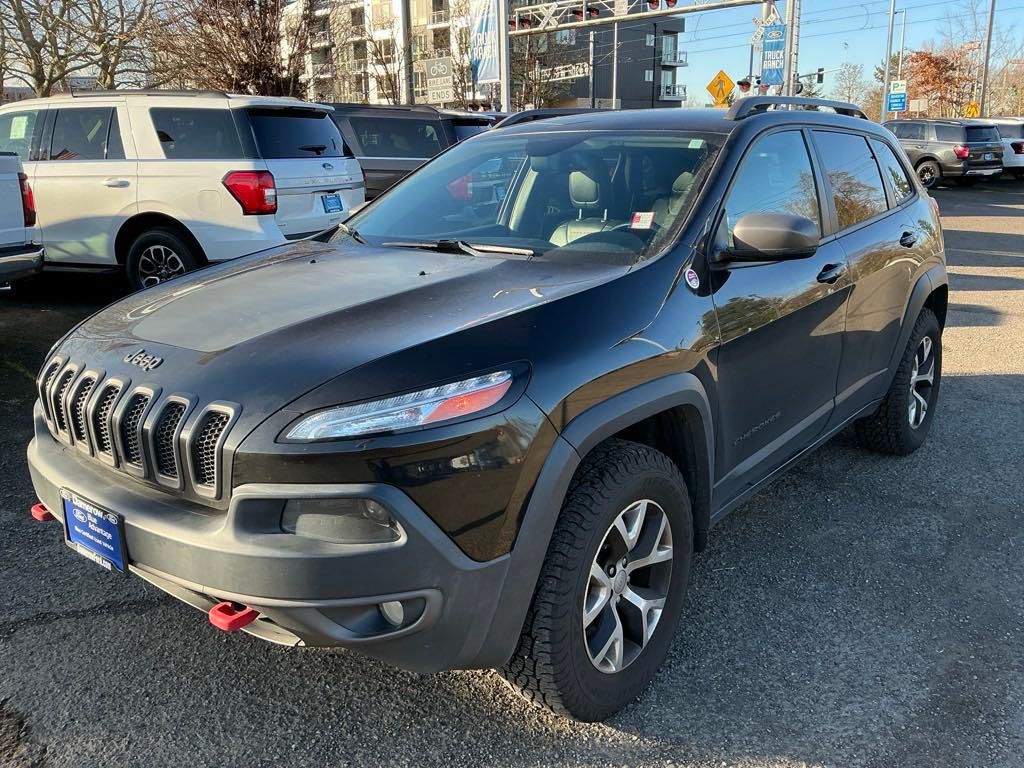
601,196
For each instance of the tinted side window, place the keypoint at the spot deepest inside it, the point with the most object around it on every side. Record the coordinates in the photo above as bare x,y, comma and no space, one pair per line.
115,149
776,175
16,130
853,175
899,130
892,168
196,134
81,134
952,134
397,137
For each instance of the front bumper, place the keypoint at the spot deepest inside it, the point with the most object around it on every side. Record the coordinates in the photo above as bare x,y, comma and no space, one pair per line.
308,592
17,263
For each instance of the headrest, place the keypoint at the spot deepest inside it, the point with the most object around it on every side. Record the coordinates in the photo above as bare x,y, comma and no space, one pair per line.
682,183
584,189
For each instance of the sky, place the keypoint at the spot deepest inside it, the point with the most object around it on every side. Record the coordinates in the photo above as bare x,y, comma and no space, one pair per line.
832,32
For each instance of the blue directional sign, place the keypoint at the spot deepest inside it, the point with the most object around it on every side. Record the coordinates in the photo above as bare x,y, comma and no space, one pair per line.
897,102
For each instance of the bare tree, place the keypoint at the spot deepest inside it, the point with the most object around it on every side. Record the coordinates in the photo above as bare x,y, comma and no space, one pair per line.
532,58
384,59
115,32
251,46
849,84
44,42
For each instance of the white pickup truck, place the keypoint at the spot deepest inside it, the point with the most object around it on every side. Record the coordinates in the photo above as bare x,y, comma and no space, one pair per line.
20,255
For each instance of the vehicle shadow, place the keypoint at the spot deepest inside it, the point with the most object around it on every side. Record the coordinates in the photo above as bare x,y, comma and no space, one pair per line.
972,316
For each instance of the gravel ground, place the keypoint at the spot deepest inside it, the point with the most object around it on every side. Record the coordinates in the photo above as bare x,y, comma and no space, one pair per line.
862,611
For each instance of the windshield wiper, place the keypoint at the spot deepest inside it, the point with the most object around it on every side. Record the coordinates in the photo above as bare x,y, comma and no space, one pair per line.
461,246
347,230
317,148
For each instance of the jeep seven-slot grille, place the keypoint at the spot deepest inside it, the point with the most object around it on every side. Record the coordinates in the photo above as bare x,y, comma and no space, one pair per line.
204,447
79,424
101,419
163,440
178,446
130,429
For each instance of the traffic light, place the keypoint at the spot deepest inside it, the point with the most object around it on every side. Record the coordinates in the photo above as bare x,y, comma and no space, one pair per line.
520,23
657,5
821,75
591,13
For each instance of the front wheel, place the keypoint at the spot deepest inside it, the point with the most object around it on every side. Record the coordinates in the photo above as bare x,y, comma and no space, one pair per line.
929,173
612,586
902,421
157,256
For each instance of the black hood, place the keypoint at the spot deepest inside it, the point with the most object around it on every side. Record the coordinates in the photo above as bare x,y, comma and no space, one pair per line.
265,329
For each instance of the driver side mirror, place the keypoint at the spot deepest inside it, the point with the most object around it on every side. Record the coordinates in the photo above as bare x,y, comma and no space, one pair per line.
772,237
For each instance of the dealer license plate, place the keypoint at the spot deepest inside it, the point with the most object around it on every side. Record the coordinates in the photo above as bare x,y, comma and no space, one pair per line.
94,532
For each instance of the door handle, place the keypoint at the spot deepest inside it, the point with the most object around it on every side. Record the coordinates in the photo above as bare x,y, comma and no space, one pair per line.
831,272
908,239
116,183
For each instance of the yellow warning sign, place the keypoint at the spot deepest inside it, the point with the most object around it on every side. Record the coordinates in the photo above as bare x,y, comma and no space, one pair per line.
971,110
720,87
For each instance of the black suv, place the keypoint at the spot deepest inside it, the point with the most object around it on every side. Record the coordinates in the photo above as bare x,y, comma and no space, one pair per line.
391,141
962,150
494,434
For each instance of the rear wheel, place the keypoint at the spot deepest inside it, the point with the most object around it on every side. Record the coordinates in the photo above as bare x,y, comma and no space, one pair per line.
612,586
929,173
157,256
902,421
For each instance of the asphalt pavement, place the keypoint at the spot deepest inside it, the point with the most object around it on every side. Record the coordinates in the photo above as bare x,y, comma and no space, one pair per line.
862,611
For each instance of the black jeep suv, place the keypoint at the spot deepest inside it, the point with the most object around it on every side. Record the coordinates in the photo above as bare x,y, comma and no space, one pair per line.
493,433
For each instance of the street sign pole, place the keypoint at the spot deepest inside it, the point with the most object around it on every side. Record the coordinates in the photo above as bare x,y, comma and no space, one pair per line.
504,57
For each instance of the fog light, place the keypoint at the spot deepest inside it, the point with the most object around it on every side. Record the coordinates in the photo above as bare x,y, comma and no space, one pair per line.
341,521
393,612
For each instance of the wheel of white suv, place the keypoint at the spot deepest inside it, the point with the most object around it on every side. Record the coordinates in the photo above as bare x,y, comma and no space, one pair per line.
157,256
612,586
929,173
902,421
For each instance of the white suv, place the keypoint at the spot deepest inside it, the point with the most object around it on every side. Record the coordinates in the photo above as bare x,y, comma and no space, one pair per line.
160,182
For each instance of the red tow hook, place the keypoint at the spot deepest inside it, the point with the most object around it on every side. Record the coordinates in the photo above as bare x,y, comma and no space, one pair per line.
41,513
231,617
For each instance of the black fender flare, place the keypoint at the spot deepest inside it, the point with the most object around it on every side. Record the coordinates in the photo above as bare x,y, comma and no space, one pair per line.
585,431
925,286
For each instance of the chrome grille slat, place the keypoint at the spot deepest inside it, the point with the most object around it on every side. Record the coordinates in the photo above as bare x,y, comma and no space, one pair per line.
60,389
204,447
77,417
101,419
165,455
130,428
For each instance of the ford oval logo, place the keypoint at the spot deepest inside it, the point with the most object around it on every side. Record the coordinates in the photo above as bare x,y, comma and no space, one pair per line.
328,167
144,361
80,516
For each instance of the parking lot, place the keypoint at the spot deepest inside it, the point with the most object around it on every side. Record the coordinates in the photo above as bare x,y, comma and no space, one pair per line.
862,611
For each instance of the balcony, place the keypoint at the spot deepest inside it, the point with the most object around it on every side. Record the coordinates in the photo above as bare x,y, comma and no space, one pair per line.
440,53
439,18
673,92
674,58
320,39
323,71
321,7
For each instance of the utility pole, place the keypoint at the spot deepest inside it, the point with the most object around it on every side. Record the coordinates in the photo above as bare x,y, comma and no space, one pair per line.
888,60
407,76
903,44
504,57
615,65
988,50
789,71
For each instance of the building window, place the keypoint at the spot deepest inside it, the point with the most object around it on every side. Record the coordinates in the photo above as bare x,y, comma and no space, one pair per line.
650,41
648,75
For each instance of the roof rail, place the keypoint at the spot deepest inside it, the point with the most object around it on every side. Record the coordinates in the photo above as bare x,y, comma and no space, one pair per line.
146,92
529,115
752,105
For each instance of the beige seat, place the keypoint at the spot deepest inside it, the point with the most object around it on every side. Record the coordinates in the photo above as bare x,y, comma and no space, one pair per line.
587,193
667,208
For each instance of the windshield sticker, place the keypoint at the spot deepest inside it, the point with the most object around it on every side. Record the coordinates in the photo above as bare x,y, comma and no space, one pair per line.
696,143
642,220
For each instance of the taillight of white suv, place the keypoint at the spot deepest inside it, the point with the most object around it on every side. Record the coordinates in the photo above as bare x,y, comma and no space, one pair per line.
255,191
28,201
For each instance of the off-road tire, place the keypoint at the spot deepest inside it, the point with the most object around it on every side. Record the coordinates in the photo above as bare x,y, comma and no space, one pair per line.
888,429
551,666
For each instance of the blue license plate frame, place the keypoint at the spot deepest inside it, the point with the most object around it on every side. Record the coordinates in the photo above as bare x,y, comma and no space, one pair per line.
331,203
94,532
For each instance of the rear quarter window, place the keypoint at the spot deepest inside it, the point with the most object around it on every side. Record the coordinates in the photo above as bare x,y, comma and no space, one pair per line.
296,133
196,134
1011,130
397,137
949,133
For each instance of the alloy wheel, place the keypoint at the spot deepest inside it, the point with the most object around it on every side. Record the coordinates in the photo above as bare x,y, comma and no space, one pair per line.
628,586
158,264
926,173
922,379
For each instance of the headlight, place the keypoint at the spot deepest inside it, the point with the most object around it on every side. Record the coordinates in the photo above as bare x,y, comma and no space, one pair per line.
415,409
